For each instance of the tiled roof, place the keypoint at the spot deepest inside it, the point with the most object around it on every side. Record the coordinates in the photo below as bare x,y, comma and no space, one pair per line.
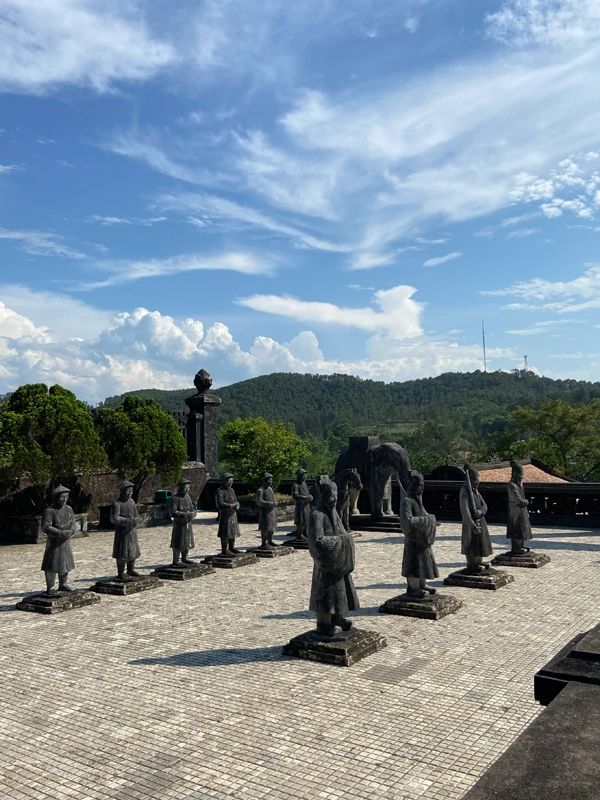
531,474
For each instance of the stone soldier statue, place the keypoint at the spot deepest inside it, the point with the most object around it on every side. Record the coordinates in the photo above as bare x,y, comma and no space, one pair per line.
476,542
58,523
303,499
332,549
183,512
228,505
418,527
267,512
124,516
519,527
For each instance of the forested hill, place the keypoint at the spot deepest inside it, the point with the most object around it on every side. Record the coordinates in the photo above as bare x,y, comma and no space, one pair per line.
316,404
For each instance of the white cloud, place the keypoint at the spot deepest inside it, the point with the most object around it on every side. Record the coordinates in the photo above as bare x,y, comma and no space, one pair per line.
399,314
95,43
578,294
6,169
543,326
106,221
554,22
41,243
508,221
435,262
521,233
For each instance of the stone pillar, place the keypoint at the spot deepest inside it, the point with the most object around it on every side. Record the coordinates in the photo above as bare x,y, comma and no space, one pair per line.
201,426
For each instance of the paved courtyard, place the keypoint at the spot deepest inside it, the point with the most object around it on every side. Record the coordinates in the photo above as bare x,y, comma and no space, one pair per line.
182,692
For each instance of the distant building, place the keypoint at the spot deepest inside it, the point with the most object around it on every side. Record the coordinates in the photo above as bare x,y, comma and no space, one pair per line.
534,471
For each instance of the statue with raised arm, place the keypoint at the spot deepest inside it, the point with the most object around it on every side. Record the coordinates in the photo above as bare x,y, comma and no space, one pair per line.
124,516
58,523
267,512
227,505
332,594
183,512
418,527
519,527
476,542
302,499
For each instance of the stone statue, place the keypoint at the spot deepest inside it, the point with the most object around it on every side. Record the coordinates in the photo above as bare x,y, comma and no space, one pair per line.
476,543
202,381
58,523
267,512
124,516
228,505
303,499
418,563
519,527
332,549
183,512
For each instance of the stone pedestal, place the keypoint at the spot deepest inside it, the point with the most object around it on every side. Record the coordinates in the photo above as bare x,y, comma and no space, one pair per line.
579,661
184,573
298,544
488,579
202,431
343,650
66,601
119,587
433,606
278,551
529,560
231,562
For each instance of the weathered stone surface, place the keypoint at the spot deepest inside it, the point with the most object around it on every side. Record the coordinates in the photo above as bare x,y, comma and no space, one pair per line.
185,573
578,661
529,560
298,544
278,551
433,607
66,601
231,562
342,651
555,758
488,579
116,586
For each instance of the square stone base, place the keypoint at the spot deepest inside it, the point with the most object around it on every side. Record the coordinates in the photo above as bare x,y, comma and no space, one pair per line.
344,651
433,606
488,579
185,573
278,551
116,586
231,562
66,601
298,544
529,560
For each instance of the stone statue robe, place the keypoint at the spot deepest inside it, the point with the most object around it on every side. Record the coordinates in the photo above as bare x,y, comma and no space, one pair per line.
183,512
418,528
302,498
519,526
332,549
59,525
124,516
475,534
228,505
267,514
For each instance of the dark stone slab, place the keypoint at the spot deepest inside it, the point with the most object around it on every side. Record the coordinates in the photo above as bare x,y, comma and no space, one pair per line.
116,586
66,601
529,560
278,551
578,661
555,758
231,562
488,579
432,607
298,544
342,651
185,573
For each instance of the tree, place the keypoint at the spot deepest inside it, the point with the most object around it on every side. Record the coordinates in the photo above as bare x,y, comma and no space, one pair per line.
430,443
141,440
46,434
251,447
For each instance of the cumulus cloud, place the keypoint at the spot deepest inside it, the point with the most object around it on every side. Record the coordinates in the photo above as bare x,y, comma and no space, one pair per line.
97,43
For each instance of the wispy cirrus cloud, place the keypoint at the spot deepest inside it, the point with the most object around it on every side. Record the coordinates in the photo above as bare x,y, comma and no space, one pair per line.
435,262
565,23
576,295
40,243
6,169
107,221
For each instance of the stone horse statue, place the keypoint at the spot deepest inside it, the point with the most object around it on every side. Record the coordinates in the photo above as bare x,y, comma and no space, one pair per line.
379,464
347,480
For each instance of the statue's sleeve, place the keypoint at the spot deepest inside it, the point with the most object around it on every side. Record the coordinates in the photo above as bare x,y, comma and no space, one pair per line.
515,495
416,528
221,503
295,491
115,514
47,526
331,553
465,510
260,501
177,511
484,507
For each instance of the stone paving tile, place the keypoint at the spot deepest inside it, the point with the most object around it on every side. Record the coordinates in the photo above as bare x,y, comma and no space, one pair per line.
182,692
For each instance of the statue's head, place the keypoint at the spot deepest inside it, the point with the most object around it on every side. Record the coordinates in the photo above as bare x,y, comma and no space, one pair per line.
417,482
328,491
228,480
473,475
300,474
126,489
60,495
184,486
517,471
267,479
202,381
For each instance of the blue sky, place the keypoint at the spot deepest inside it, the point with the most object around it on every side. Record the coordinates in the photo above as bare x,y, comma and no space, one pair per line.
253,186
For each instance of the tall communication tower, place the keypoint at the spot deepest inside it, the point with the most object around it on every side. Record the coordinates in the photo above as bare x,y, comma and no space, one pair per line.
483,339
526,367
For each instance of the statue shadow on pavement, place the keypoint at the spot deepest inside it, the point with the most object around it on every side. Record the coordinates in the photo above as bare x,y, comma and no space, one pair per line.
226,656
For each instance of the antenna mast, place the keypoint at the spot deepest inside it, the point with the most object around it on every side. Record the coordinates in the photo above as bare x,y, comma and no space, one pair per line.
526,367
483,338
